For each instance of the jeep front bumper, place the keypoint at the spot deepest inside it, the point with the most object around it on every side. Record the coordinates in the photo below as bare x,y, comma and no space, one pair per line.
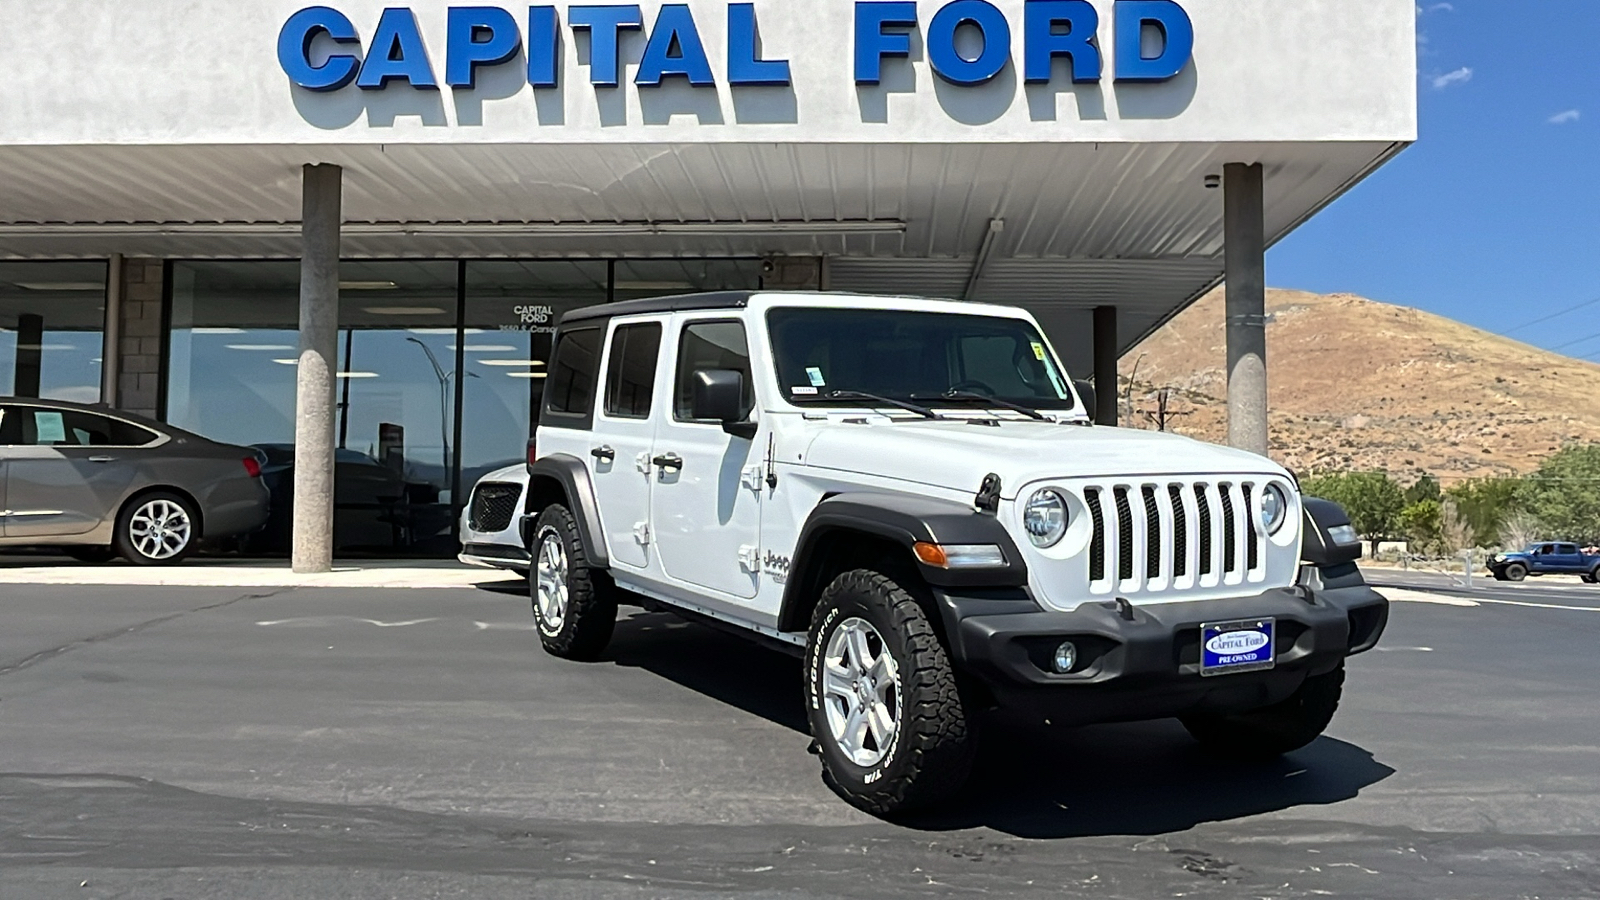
1143,662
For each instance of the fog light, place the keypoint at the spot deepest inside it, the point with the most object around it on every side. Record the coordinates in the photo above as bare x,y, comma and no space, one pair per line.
1066,657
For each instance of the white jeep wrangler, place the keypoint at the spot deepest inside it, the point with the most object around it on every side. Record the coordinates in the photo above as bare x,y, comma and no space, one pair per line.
909,494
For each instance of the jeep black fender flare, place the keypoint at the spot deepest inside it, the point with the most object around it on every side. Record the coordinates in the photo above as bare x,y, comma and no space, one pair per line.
560,477
904,520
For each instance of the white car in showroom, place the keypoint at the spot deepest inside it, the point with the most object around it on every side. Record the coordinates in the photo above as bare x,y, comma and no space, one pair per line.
491,523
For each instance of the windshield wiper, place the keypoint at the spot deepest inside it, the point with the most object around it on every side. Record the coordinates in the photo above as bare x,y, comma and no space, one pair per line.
923,411
1028,411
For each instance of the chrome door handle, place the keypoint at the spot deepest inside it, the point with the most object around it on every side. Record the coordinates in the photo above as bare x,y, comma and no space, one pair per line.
669,461
604,454
102,459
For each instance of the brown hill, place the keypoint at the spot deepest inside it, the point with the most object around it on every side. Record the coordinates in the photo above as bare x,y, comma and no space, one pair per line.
1356,384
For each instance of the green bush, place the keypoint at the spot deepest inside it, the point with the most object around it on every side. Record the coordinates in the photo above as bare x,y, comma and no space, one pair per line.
1486,504
1373,500
1423,525
1564,495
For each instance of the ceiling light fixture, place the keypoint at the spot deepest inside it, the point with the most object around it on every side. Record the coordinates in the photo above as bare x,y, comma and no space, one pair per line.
405,311
61,285
527,375
654,286
367,286
272,348
510,363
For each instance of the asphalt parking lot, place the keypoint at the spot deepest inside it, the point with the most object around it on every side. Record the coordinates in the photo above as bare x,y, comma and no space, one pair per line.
329,742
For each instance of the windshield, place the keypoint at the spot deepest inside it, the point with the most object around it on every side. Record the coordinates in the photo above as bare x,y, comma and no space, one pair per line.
908,356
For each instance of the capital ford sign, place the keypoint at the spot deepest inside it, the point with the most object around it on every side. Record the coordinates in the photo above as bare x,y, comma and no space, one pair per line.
967,42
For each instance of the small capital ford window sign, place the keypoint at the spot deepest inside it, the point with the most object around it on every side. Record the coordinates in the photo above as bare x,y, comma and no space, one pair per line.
1229,647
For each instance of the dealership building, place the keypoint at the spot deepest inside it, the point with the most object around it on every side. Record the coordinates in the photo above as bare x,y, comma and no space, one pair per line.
215,212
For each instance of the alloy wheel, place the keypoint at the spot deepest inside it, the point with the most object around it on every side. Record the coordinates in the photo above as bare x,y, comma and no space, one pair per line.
160,529
550,573
861,692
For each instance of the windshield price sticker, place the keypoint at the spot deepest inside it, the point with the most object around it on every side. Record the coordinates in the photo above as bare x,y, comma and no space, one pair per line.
815,374
1230,647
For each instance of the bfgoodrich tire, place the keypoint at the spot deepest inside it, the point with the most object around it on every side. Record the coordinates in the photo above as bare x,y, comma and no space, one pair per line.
1277,729
158,529
882,700
574,606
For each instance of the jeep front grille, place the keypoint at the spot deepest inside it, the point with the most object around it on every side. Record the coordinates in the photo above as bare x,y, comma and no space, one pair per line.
1172,536
494,505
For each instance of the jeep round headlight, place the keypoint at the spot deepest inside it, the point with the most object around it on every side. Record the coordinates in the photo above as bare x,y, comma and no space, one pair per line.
1045,518
1274,508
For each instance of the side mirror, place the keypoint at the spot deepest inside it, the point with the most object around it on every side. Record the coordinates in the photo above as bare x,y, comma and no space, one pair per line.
719,397
1086,393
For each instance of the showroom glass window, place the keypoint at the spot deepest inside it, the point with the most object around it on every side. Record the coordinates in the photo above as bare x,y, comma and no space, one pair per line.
231,377
234,343
511,314
52,329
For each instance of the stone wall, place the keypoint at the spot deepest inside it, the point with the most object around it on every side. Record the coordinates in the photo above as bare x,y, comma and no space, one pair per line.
139,390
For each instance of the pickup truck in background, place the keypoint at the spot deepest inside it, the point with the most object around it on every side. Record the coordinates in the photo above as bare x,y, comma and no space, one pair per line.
1546,558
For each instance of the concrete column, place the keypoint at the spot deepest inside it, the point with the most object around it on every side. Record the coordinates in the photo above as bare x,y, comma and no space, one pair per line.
111,354
1245,235
318,372
1107,349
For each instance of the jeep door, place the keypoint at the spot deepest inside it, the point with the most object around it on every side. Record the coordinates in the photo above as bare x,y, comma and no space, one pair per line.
705,511
623,434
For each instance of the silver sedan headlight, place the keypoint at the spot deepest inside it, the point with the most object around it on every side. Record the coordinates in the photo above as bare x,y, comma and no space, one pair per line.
1045,518
1274,508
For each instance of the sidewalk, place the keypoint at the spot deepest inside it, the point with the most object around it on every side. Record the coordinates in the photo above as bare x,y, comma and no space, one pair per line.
391,574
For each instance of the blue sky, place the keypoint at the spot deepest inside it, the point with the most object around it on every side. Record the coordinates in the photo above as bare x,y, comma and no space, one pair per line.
1493,217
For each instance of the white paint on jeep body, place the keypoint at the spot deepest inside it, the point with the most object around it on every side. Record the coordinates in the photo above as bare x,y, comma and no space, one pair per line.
817,452
955,455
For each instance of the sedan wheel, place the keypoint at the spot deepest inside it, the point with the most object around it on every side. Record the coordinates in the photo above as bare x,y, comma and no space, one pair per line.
157,530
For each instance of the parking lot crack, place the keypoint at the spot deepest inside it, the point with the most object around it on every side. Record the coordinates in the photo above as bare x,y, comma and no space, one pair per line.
103,637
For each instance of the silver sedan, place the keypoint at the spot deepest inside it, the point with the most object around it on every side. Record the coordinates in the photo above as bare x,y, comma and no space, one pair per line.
99,483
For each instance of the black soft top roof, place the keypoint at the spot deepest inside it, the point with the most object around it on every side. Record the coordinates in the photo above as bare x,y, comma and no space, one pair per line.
677,303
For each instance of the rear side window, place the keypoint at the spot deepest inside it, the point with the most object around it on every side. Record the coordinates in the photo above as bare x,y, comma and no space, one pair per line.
574,372
631,375
711,345
70,428
10,426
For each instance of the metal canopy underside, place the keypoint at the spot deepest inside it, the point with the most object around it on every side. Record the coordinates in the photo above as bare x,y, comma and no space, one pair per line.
1131,225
